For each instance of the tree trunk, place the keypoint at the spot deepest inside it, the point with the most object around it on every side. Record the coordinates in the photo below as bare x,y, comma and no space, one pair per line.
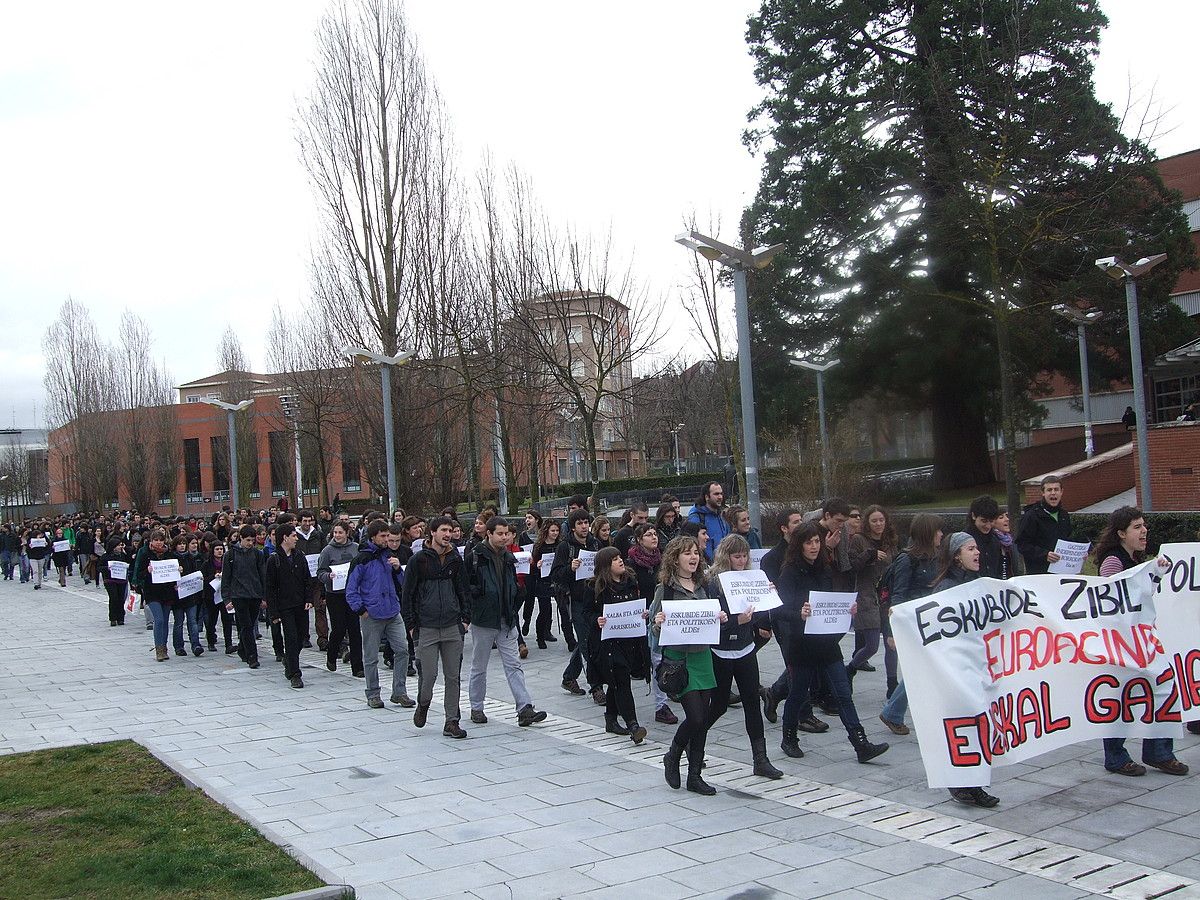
960,457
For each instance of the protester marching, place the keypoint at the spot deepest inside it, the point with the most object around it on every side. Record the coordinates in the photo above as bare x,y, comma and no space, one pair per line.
995,665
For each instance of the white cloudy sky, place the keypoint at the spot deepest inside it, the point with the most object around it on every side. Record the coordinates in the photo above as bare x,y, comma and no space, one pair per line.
148,158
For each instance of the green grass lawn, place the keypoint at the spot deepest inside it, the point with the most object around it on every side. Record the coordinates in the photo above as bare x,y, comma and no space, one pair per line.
962,497
109,820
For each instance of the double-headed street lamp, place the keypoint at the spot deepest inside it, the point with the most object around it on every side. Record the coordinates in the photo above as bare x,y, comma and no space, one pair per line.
740,261
1082,319
358,354
1118,271
230,409
675,434
820,369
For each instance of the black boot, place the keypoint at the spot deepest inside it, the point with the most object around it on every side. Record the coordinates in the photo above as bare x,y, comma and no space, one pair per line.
864,748
762,765
892,684
695,783
770,705
611,726
791,743
671,765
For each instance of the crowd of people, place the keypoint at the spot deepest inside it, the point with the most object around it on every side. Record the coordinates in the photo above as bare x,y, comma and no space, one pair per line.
410,589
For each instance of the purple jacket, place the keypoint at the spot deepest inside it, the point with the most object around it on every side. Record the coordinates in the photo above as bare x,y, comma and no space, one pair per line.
371,585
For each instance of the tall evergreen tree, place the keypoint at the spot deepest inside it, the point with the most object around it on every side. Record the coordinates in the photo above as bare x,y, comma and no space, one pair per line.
942,174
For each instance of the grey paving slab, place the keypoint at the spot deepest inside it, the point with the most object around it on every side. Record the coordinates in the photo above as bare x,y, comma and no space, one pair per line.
514,812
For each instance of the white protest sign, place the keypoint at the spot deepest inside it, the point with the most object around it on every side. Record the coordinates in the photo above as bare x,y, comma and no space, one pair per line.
749,588
545,564
418,545
690,622
192,583
62,546
37,542
624,620
312,563
118,571
830,612
756,557
164,571
1000,672
587,565
523,558
215,584
338,576
1072,554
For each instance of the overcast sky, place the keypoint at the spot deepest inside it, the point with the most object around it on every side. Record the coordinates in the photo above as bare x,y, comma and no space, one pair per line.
149,158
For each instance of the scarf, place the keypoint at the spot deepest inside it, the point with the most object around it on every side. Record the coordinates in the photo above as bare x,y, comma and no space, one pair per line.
1005,538
644,558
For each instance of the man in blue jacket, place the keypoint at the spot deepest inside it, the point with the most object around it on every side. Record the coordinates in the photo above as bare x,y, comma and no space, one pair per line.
707,513
371,593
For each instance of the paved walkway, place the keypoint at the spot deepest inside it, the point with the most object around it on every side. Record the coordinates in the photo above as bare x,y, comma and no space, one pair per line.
562,809
1107,505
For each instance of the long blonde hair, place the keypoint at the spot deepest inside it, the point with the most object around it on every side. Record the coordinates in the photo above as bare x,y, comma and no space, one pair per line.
730,545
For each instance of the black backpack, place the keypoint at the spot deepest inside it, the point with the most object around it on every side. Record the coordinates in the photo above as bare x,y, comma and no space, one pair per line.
887,581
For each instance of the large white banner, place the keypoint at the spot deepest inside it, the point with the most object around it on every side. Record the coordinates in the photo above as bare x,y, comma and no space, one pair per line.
998,672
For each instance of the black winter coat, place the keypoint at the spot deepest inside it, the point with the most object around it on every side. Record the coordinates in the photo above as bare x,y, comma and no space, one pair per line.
796,581
615,654
1039,533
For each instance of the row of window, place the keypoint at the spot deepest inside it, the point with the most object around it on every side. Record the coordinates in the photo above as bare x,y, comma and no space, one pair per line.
281,449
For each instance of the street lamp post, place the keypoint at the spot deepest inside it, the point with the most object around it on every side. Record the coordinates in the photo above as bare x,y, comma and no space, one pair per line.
230,409
1082,319
1119,271
678,462
291,412
820,369
740,261
356,354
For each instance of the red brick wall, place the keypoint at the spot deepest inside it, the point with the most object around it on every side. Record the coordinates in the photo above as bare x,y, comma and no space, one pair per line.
1090,481
1174,466
1049,455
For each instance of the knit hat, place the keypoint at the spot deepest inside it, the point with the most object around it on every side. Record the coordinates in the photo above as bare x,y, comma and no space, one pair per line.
958,540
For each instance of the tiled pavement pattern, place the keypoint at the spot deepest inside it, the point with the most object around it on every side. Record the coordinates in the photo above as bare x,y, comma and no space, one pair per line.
562,809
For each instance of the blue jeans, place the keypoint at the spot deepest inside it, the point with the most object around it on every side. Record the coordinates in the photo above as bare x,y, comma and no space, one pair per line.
798,689
897,705
1154,750
161,616
6,564
188,613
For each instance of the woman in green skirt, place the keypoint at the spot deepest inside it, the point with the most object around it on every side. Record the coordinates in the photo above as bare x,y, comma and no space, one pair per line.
680,578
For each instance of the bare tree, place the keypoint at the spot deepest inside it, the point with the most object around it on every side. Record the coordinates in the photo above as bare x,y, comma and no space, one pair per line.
77,386
712,321
142,388
586,339
302,353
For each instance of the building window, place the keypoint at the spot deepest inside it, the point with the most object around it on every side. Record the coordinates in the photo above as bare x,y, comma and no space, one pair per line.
164,501
193,398
281,450
351,462
219,448
191,465
194,497
1171,395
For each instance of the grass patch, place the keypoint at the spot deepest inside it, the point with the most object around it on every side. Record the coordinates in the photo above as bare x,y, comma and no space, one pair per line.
962,497
110,820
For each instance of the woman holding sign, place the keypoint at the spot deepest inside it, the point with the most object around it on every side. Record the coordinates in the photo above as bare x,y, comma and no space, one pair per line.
805,571
619,659
114,569
1122,546
61,554
960,564
157,572
541,588
185,605
681,578
736,657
